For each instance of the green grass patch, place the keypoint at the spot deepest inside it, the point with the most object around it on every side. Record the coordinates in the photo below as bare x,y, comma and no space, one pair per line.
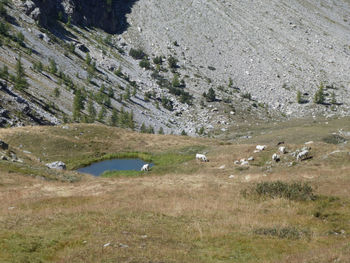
38,171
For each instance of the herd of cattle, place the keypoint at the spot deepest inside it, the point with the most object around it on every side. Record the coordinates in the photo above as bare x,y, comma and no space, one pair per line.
299,154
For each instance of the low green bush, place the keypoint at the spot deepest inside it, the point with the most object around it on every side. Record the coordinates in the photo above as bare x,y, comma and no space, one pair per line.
295,191
333,139
289,232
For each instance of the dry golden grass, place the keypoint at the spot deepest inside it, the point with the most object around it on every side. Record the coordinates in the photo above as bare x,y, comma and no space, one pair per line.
180,216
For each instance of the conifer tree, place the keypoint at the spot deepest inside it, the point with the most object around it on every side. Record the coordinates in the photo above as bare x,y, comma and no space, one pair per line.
20,81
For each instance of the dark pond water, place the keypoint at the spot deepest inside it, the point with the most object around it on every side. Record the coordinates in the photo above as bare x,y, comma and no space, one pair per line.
113,165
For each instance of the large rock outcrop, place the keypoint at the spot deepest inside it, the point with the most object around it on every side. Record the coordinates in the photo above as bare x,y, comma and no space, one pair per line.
108,15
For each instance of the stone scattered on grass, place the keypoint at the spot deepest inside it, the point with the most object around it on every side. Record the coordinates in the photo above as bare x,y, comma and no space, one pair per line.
57,165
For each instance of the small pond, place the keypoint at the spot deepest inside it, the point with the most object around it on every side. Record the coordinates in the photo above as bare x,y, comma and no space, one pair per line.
113,165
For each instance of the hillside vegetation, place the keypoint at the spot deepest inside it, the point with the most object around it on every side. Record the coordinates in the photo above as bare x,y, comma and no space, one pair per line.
185,67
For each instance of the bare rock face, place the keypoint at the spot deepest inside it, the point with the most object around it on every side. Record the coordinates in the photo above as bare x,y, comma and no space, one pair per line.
90,13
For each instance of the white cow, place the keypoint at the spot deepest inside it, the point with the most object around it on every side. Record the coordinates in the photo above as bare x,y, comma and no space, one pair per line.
201,157
303,155
282,149
145,167
260,147
276,157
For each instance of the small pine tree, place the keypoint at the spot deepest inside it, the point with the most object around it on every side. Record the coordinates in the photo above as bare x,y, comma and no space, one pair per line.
88,59
53,66
20,81
78,105
176,83
127,94
333,99
299,98
107,101
91,111
230,83
20,38
172,62
143,128
102,114
60,16
56,92
210,96
114,118
110,92
131,122
119,72
69,22
183,133
150,129
319,95
4,73
161,130
201,131
38,66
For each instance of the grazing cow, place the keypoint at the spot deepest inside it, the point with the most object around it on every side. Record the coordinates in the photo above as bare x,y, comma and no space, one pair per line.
145,167
282,149
244,162
303,155
276,157
201,157
260,147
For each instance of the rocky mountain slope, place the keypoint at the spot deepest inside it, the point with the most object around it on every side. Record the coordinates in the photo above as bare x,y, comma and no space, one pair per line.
146,64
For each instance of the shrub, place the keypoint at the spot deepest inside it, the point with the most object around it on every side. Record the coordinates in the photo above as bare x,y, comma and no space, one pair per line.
292,191
333,139
166,103
119,72
172,62
210,96
38,66
246,95
158,60
137,53
144,63
289,232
